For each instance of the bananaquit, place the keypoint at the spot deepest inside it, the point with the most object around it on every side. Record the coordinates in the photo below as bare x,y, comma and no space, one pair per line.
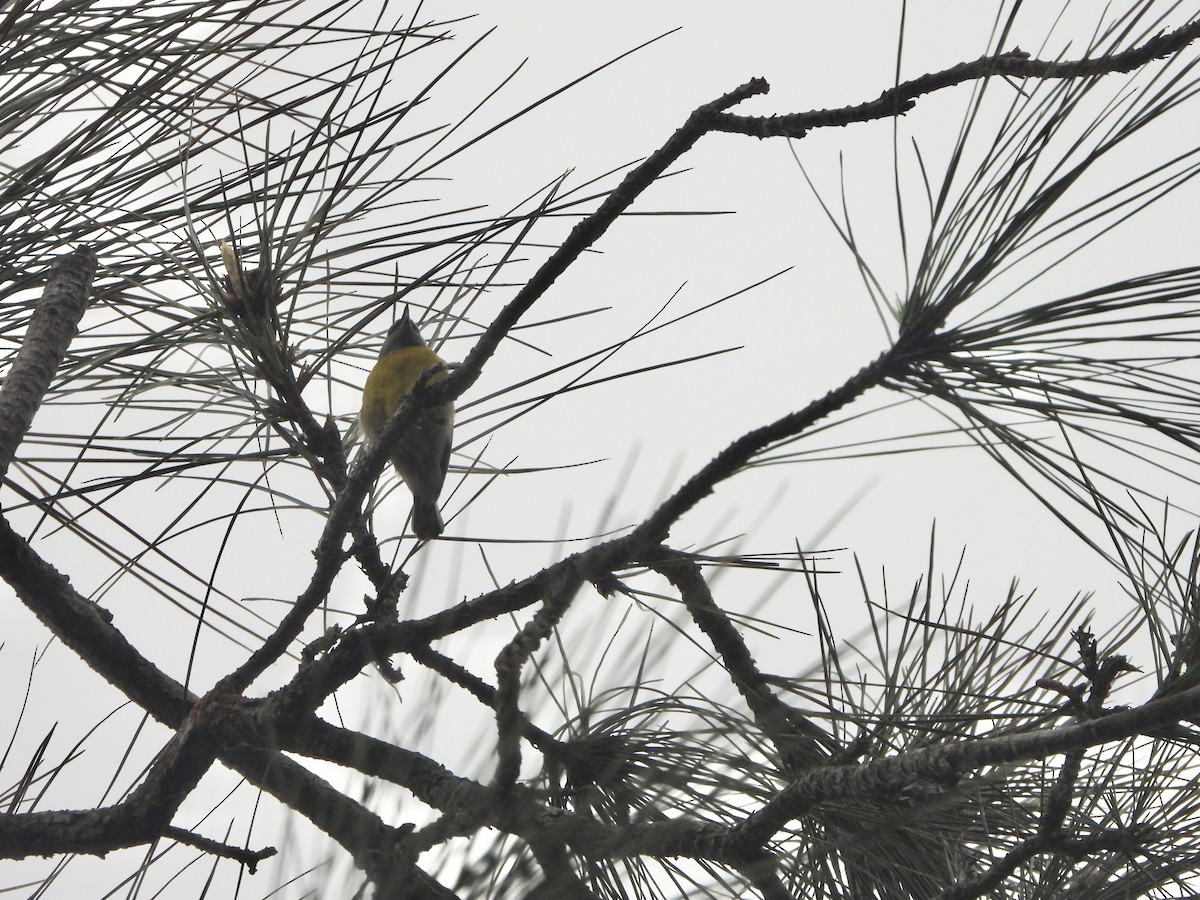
422,453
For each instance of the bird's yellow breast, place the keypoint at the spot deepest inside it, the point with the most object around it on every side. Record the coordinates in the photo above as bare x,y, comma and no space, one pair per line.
391,381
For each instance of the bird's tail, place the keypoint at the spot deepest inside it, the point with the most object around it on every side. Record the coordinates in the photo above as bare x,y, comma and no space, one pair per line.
426,519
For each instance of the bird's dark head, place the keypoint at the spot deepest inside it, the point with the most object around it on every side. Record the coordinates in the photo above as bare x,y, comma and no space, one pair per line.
403,334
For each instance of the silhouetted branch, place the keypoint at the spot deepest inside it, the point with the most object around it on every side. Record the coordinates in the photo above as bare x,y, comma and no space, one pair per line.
902,98
51,329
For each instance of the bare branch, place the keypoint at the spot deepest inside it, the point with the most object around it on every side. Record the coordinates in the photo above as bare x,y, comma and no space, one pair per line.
51,329
902,98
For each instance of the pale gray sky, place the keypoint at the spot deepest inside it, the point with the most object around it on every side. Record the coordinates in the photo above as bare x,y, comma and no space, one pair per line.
800,335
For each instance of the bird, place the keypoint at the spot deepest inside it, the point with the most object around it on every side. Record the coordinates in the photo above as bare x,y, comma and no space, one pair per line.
422,452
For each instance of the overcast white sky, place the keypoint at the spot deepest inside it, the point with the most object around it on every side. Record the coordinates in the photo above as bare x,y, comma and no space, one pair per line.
800,335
